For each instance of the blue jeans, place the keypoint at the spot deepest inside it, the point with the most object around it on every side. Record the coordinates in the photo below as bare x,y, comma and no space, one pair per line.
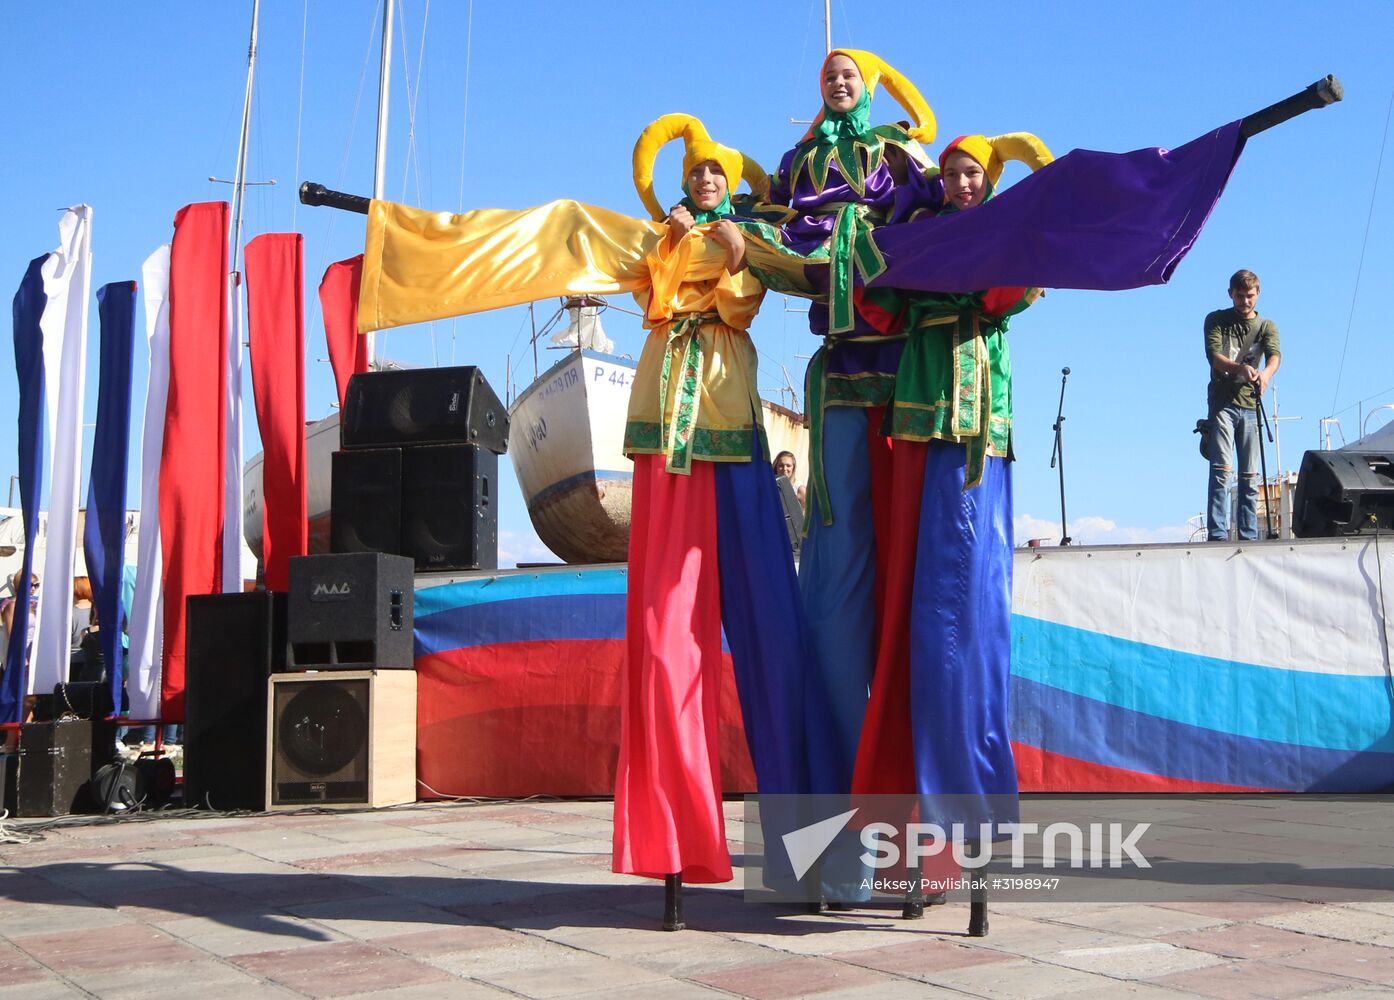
1235,430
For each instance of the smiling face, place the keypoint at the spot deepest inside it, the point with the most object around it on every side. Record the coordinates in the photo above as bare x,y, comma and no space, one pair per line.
784,465
706,185
965,183
842,83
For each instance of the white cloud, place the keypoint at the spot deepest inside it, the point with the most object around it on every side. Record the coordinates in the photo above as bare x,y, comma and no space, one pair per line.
1102,531
526,547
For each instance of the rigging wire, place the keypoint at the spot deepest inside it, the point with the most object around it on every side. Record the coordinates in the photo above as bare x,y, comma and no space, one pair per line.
411,165
332,217
299,112
464,134
1359,268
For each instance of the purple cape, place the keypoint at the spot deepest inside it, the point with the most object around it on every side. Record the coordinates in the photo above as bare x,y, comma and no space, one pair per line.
1090,220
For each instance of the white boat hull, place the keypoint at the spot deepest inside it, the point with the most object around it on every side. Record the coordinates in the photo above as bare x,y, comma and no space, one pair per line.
567,443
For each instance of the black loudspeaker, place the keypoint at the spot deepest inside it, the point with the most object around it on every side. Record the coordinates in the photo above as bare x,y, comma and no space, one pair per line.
437,504
423,406
366,501
350,611
1343,493
234,643
8,766
450,516
344,738
56,763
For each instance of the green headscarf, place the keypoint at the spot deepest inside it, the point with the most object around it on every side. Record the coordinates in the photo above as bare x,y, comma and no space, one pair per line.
840,125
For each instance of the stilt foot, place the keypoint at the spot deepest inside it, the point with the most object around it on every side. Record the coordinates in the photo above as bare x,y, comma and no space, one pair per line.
672,903
977,913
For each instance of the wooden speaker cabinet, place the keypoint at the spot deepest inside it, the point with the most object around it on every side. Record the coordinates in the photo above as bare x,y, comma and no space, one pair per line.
341,738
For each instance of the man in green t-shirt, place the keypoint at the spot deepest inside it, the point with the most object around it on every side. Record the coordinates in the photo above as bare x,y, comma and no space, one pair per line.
1242,349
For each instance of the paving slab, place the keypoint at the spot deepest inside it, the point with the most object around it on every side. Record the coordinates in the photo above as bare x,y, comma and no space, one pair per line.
213,979
340,969
1256,980
792,977
228,935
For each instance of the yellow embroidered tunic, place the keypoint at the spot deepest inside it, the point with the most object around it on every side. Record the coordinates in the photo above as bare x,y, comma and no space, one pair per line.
695,395
419,266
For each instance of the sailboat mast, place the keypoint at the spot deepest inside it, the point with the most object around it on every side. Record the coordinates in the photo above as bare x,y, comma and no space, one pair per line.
239,184
389,9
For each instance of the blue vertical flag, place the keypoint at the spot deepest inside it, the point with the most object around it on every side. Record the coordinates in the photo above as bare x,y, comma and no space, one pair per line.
29,366
103,539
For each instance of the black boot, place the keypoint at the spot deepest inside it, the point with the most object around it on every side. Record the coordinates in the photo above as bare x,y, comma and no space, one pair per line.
914,896
977,911
672,903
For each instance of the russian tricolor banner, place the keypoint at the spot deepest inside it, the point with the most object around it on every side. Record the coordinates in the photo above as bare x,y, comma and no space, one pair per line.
276,309
192,473
338,299
104,537
50,337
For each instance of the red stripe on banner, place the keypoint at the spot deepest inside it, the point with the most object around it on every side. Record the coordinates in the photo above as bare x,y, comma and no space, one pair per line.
338,299
1042,771
191,464
539,718
276,320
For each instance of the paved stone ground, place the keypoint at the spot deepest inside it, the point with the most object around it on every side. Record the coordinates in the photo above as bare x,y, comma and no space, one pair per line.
517,900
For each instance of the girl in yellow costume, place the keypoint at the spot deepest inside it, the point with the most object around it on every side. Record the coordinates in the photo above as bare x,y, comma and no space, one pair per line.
708,543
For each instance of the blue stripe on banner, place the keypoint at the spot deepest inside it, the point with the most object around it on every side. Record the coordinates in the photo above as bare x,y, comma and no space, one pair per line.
1090,730
549,618
523,607
103,539
29,303
1292,707
511,586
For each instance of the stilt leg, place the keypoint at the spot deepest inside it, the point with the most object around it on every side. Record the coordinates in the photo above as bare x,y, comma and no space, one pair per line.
914,896
977,912
672,903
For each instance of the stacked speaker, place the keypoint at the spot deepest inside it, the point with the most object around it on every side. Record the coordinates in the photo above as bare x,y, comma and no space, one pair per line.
417,470
306,698
1344,493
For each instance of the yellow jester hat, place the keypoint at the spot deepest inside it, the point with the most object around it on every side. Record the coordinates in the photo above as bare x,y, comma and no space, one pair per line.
876,70
698,146
992,154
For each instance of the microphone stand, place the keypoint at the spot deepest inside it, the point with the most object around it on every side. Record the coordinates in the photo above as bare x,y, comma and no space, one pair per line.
1264,428
1058,451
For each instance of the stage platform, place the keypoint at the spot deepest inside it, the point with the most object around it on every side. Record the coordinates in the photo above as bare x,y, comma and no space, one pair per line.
1215,667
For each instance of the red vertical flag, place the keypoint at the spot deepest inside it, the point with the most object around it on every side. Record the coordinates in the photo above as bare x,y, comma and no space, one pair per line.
191,465
276,322
338,299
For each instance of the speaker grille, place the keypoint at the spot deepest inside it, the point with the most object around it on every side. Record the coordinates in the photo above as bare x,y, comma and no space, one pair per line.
450,507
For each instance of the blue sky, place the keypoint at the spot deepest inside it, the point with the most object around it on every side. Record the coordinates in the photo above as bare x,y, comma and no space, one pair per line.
130,107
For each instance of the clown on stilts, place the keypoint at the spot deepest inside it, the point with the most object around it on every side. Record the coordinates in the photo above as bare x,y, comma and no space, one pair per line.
843,179
708,543
936,725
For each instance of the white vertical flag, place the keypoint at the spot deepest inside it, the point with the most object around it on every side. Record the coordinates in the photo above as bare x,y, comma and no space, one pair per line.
146,627
232,479
67,285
